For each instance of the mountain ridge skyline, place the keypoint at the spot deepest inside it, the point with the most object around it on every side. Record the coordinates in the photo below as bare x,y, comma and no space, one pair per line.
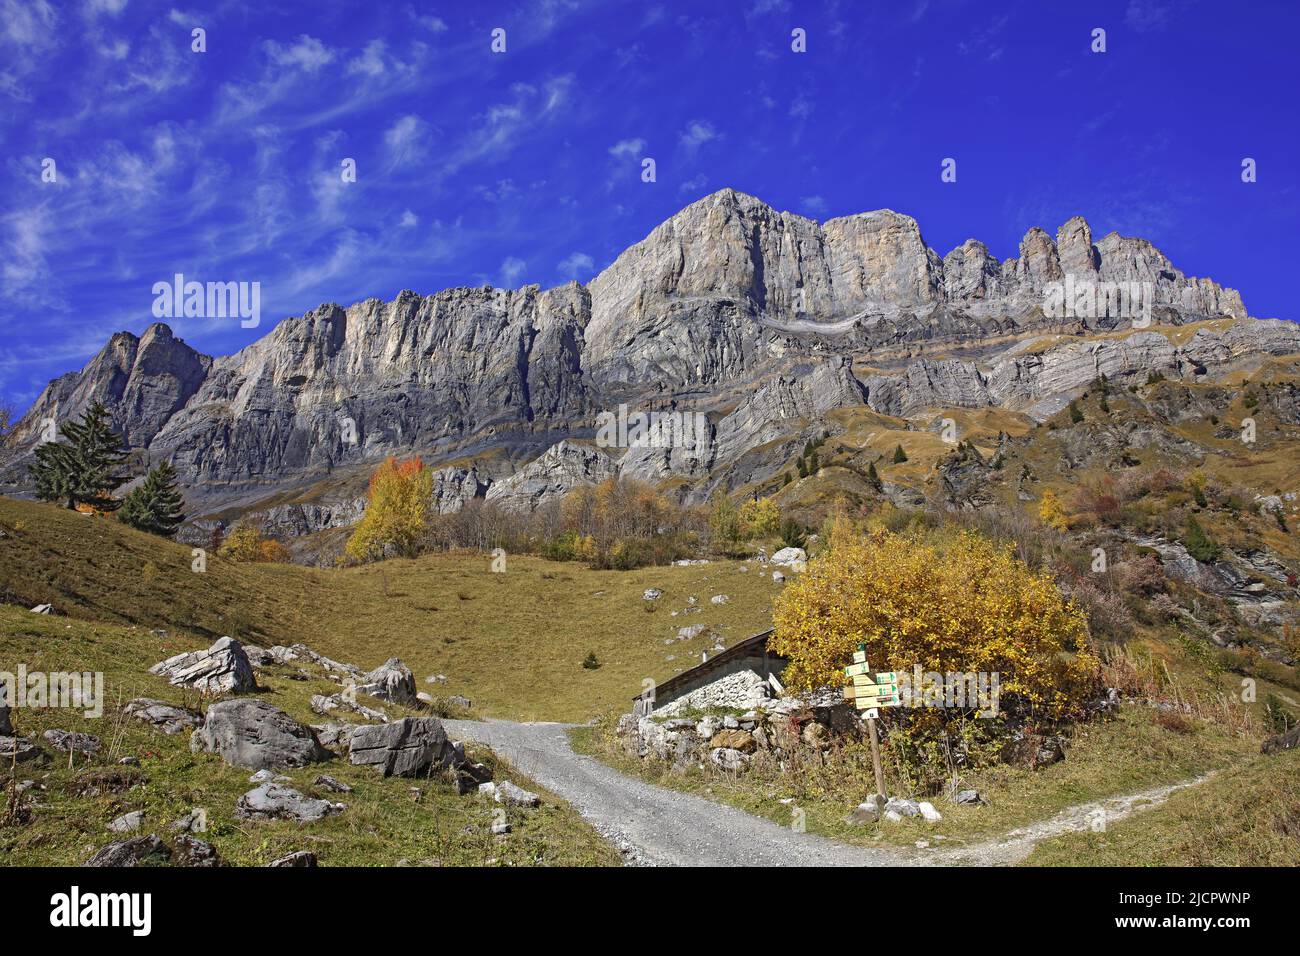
723,192
225,166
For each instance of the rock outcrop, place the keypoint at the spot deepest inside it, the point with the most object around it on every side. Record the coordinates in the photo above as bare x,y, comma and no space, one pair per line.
273,801
562,468
223,668
166,717
391,681
254,734
729,308
409,747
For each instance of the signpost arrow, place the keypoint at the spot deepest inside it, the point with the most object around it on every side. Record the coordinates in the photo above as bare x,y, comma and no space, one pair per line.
869,692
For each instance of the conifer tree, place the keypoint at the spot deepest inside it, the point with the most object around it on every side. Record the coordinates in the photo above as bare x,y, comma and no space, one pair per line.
900,456
84,470
873,479
156,505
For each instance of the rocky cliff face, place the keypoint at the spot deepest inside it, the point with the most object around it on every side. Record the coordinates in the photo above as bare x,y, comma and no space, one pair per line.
564,467
729,308
144,382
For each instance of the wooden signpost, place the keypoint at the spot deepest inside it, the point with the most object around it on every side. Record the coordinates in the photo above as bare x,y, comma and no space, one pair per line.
869,691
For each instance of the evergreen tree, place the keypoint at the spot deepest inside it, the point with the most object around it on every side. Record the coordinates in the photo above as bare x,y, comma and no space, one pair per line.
1199,544
1076,415
84,470
873,479
900,456
803,468
156,505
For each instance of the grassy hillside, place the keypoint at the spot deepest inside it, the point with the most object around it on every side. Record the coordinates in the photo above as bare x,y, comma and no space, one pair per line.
1248,816
63,820
513,643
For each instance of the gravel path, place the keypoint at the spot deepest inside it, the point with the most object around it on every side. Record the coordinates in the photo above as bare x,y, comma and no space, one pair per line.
654,826
1012,847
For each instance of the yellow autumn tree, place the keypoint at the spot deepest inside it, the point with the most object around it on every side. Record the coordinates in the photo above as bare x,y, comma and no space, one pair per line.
1051,513
246,543
948,603
397,510
760,517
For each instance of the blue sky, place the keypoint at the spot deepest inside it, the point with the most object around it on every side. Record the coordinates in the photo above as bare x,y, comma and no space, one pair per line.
524,166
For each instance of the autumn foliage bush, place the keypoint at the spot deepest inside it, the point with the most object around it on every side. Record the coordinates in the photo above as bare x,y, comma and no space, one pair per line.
246,543
396,511
948,602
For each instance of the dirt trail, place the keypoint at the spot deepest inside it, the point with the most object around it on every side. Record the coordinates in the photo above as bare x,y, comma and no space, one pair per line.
655,826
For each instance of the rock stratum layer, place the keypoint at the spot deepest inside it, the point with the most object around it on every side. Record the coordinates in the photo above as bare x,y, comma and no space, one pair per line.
753,317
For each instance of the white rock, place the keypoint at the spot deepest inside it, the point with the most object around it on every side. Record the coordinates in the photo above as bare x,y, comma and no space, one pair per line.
789,556
127,822
727,758
929,812
514,796
719,599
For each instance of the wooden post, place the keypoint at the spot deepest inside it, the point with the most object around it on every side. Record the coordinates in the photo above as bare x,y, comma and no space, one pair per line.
875,757
875,739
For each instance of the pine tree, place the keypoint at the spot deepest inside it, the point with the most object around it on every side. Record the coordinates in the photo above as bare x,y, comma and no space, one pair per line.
873,479
84,470
156,505
900,456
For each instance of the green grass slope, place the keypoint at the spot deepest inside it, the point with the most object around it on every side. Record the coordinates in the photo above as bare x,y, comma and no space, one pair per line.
62,820
513,643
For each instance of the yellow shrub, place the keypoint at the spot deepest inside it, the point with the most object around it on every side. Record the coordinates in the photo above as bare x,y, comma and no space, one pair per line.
958,604
760,517
1051,513
246,543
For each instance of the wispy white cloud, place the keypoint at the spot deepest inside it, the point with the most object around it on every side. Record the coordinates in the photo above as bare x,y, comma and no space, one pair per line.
696,134
512,270
406,140
576,265
372,61
306,53
815,205
693,187
25,271
628,148
1147,15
